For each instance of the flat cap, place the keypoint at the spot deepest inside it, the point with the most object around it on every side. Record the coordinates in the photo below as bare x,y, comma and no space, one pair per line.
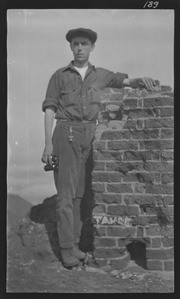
81,31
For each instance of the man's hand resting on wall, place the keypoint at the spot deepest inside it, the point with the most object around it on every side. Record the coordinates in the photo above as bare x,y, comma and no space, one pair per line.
146,82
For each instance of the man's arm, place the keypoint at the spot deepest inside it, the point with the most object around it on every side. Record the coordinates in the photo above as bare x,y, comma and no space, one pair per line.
145,82
48,125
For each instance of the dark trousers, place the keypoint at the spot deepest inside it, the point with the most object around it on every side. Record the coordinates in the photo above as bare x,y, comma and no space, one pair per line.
70,177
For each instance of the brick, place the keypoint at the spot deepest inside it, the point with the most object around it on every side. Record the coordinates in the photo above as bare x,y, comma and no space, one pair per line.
168,200
149,210
107,155
159,189
99,166
114,107
145,134
133,93
167,155
119,188
139,177
158,166
168,242
107,198
145,220
137,155
167,178
140,103
108,252
157,178
166,89
121,262
98,187
122,243
167,231
116,210
139,187
140,232
140,113
156,144
100,231
155,243
99,209
116,97
99,145
139,124
153,230
170,210
122,145
159,123
130,124
167,133
132,210
155,155
107,177
160,254
168,93
129,199
158,101
122,210
99,262
169,265
154,265
166,112
122,232
131,102
124,167
111,135
126,134
143,199
104,242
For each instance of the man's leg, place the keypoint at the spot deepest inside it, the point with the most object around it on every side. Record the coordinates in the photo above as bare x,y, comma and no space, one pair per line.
69,157
87,144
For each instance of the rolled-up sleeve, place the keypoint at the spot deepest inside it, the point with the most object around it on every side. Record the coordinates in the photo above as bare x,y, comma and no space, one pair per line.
115,80
52,93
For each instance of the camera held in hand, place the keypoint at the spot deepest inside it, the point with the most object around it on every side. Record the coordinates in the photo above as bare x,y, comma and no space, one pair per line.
54,166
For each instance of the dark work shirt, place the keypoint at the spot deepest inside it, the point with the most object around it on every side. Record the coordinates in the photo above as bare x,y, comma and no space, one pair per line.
74,99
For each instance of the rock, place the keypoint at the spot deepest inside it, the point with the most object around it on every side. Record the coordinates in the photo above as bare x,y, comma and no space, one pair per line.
112,108
114,273
38,230
125,275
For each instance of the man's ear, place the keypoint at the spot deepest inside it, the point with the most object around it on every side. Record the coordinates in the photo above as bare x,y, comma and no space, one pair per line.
70,46
92,47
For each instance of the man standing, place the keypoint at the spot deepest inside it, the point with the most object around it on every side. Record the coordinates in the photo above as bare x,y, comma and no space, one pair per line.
72,98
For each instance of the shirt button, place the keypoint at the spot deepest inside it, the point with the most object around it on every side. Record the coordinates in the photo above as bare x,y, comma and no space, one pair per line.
84,107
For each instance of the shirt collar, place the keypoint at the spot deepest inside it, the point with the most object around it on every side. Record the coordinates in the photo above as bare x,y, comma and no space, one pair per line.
70,66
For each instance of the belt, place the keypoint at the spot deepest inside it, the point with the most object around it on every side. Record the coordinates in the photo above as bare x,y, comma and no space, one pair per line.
95,121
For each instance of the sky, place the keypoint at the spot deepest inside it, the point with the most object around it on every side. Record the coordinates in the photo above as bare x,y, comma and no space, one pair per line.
137,42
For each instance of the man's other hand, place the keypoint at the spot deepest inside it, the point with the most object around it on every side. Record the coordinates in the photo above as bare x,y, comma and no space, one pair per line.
148,83
144,82
48,152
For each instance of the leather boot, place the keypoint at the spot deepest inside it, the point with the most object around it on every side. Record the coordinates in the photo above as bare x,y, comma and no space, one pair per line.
68,258
80,255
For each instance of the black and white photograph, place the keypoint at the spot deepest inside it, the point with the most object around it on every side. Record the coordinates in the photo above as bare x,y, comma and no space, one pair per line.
90,150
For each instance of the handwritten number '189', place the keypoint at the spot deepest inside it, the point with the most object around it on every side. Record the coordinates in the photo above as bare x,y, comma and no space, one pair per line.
151,4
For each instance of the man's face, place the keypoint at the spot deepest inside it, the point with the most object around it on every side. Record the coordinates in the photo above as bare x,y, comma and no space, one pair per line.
81,48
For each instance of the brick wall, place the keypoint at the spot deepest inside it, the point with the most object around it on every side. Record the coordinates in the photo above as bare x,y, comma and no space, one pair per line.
132,178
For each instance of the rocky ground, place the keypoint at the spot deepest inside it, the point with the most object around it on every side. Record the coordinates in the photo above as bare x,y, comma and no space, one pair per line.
33,264
31,271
